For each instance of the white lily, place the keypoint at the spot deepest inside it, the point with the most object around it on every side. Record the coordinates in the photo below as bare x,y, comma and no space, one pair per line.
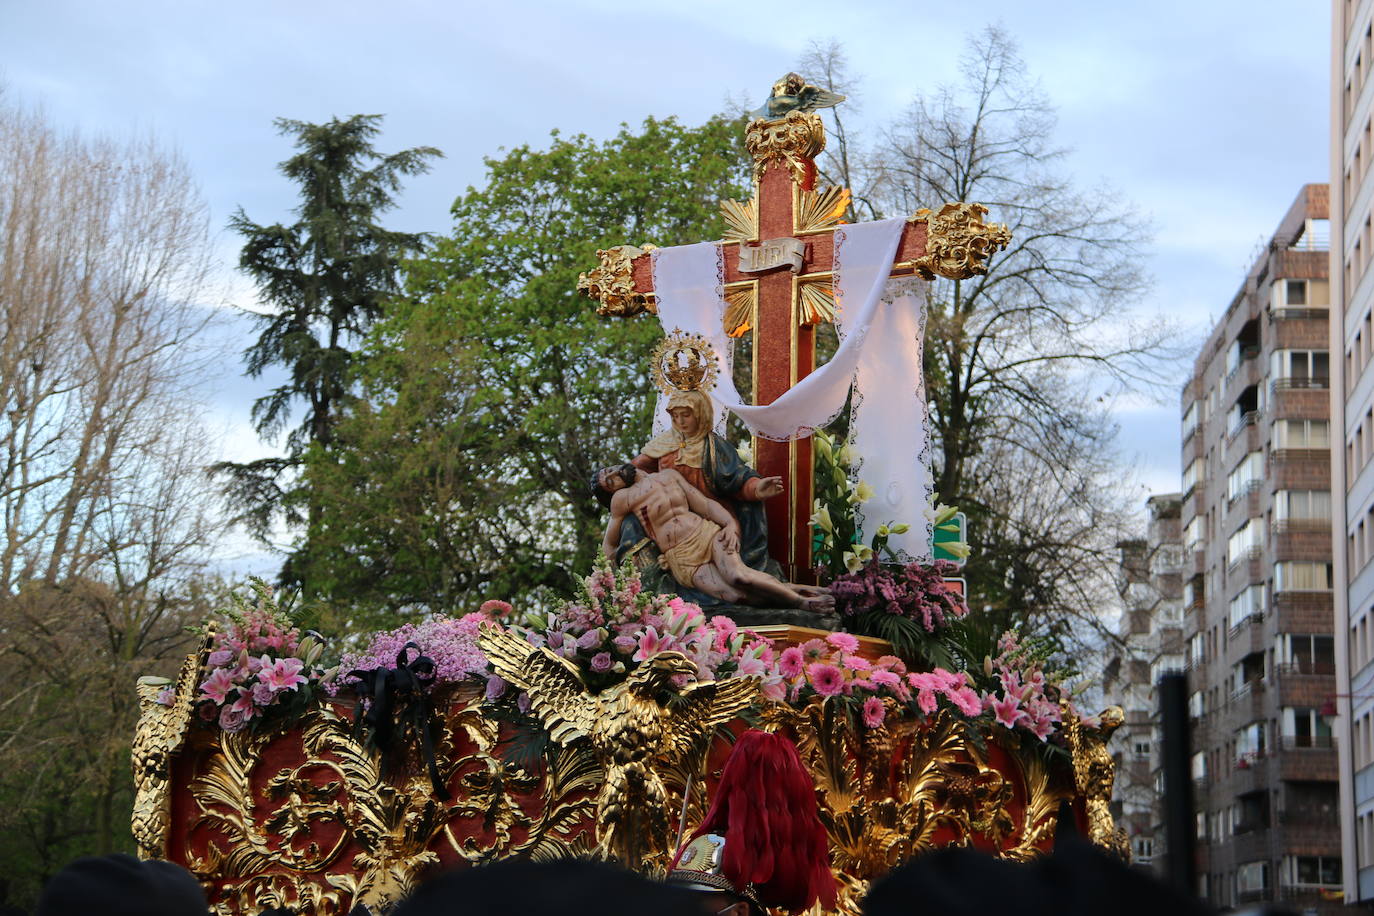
862,493
821,519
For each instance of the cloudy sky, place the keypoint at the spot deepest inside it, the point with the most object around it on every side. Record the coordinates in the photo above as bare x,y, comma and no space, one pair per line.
1208,116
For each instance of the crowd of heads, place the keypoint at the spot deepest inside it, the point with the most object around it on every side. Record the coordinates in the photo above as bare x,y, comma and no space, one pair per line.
1076,878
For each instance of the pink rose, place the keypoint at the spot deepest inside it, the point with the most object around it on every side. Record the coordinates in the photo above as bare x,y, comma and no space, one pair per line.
232,720
495,687
220,658
262,694
601,662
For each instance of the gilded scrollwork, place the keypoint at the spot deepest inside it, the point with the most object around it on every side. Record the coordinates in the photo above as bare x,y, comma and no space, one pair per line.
1094,773
958,242
791,142
611,282
304,816
160,733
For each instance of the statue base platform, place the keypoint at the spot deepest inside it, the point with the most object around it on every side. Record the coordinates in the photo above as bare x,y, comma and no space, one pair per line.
305,816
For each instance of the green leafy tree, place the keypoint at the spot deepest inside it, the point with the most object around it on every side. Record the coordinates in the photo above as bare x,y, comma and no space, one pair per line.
325,277
491,390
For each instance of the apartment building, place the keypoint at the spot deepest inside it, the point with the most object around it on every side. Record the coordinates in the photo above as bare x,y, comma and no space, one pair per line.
1257,594
1150,583
1352,414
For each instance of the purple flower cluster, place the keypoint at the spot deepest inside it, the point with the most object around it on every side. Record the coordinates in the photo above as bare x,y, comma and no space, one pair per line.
450,642
915,591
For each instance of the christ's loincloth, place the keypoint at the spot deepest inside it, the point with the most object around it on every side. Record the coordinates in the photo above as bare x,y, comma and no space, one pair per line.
691,553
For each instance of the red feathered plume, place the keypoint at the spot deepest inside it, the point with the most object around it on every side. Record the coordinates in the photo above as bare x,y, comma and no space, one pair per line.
765,807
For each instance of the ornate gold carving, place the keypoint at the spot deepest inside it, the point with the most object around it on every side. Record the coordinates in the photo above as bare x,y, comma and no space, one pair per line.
634,736
159,734
916,779
684,362
1094,773
741,220
818,211
958,242
611,283
741,301
1041,811
283,846
790,142
816,301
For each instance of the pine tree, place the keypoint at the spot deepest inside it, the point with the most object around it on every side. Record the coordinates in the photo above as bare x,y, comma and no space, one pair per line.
326,277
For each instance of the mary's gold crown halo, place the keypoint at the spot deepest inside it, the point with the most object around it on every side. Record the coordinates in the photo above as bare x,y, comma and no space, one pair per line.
684,362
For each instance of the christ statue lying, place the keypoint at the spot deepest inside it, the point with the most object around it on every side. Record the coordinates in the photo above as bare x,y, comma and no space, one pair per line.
697,538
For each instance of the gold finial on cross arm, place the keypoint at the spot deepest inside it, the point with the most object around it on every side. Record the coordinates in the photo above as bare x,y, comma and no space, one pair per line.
958,242
611,283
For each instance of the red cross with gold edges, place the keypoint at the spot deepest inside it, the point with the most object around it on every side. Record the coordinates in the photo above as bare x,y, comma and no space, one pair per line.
779,250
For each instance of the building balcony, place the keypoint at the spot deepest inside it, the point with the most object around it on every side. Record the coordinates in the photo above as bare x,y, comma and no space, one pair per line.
1300,399
1304,612
1299,688
1302,539
1246,421
1300,384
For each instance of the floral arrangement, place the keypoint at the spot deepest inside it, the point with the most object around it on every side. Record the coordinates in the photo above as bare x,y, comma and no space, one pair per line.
451,643
1024,695
613,625
876,592
260,667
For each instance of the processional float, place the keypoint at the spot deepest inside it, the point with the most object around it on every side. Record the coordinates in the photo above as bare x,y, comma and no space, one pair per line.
603,730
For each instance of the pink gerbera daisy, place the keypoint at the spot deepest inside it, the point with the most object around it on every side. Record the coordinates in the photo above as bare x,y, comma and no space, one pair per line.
827,680
874,712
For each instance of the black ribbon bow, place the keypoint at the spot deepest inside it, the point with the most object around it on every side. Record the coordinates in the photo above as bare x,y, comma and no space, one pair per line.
405,687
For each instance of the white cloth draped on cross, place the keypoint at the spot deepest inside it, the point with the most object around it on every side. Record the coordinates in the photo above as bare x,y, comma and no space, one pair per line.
881,327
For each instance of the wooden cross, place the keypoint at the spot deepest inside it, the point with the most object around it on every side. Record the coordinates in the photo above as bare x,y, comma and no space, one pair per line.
779,257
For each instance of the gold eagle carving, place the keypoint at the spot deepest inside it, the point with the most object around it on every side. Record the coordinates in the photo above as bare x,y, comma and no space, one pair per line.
637,729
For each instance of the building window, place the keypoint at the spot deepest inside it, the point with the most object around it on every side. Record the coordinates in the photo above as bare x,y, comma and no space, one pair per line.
1249,471
1314,871
1301,434
1143,848
1300,368
1251,744
1245,543
1305,727
1296,576
1302,505
1295,292
1248,604
1252,877
1141,747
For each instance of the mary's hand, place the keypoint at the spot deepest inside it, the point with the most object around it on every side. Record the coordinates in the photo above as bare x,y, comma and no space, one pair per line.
769,487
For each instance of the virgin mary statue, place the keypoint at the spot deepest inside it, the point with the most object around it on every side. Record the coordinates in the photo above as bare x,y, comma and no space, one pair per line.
711,464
